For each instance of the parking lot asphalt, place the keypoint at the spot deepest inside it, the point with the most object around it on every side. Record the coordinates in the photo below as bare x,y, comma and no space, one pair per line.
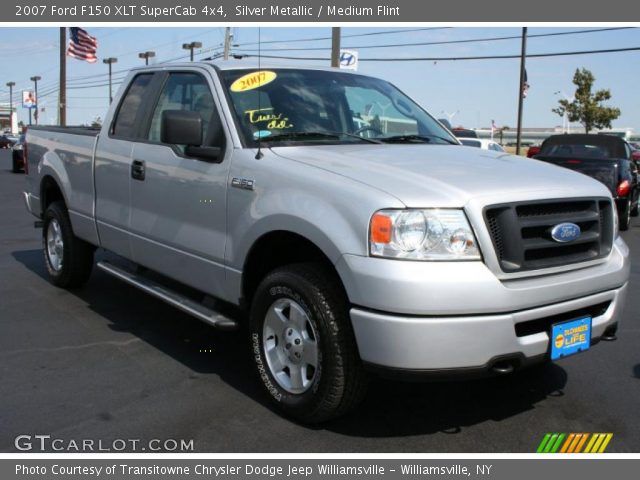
108,362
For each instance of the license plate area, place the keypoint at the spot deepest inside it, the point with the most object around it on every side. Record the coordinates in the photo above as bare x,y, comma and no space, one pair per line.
569,338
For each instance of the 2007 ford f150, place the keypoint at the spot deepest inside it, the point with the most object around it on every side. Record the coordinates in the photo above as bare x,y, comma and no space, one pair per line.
353,229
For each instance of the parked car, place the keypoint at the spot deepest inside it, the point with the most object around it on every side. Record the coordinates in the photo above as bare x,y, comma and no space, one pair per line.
464,132
482,143
342,255
533,150
17,157
607,158
6,141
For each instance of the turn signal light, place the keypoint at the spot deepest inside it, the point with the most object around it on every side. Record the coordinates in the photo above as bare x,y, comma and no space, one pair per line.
381,228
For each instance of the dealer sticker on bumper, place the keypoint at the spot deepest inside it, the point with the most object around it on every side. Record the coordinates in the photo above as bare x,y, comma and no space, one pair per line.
570,337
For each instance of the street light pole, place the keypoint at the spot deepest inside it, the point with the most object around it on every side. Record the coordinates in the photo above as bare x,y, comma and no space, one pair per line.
147,56
11,85
35,82
227,42
335,47
110,61
191,47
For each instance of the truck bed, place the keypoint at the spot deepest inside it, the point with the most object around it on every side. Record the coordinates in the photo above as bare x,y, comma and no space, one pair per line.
52,150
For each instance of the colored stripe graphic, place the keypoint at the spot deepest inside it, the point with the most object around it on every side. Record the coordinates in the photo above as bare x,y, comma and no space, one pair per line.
574,442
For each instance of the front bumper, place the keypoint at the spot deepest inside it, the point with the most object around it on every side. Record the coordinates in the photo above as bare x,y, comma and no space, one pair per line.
468,319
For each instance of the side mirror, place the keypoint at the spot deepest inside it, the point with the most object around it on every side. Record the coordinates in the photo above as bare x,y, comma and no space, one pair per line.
181,127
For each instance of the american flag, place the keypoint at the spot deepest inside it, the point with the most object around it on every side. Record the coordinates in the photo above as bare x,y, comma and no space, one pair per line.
82,45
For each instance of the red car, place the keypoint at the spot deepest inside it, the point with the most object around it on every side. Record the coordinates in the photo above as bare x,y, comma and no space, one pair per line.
533,150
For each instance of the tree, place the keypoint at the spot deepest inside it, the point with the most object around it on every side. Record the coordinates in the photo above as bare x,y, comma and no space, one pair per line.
96,123
586,107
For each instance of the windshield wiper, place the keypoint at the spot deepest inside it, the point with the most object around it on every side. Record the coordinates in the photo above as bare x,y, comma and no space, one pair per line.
319,135
415,138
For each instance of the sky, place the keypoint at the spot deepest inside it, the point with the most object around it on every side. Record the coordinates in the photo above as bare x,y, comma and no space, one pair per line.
471,92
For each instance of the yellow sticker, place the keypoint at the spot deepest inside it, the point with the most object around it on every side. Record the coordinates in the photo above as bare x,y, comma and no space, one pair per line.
253,80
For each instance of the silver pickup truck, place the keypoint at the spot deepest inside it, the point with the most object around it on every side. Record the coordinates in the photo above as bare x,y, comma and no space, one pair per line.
348,227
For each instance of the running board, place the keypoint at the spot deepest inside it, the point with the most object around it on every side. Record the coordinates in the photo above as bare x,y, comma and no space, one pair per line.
175,299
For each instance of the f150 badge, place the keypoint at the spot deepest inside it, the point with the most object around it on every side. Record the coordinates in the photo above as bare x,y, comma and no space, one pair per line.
565,232
244,183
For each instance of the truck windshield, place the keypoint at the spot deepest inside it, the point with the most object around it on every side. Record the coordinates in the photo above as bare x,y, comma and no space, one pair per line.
294,106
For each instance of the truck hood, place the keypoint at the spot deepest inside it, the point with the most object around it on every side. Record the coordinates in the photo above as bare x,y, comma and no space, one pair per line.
444,175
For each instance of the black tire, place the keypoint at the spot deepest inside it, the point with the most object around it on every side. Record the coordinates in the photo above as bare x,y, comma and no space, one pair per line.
338,383
14,164
76,262
624,215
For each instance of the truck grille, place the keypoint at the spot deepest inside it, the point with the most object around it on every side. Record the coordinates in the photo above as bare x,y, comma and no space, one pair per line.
521,232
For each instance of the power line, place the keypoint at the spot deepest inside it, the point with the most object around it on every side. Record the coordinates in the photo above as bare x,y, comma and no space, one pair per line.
446,42
296,40
444,59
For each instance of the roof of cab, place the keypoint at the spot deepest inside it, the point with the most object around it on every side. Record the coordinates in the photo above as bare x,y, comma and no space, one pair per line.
243,64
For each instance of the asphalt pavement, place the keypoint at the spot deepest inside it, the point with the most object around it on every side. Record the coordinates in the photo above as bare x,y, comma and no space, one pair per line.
108,362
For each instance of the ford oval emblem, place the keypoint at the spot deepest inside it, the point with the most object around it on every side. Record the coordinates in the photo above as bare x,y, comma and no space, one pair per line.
565,232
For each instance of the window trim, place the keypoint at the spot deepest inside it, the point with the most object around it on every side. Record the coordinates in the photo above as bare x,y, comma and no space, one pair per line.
151,92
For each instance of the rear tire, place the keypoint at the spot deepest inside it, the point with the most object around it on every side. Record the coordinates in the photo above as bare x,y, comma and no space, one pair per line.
69,260
303,344
625,216
14,165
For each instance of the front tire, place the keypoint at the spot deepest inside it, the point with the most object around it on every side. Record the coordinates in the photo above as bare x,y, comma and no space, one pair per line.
303,344
69,260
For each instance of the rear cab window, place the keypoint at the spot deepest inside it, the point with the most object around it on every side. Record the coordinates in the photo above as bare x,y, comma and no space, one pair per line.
127,119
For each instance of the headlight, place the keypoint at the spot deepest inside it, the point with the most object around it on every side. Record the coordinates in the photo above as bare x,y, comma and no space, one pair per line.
430,234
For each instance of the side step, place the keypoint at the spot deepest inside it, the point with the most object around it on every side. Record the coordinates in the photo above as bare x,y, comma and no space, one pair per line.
175,299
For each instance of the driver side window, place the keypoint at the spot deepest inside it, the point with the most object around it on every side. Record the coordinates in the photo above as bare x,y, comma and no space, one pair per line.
183,91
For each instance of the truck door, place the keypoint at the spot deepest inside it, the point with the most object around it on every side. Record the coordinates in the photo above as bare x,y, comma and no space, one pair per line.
113,164
178,202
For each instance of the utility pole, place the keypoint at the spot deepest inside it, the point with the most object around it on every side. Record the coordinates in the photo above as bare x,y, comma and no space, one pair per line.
147,56
191,46
523,56
335,47
110,61
62,94
227,42
11,85
35,81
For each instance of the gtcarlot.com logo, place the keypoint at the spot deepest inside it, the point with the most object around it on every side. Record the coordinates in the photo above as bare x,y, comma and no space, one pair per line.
574,443
45,443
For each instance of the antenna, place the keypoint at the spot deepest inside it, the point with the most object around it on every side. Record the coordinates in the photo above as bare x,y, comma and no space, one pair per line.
259,154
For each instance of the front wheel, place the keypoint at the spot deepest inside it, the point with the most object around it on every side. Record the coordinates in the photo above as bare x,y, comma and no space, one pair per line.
303,344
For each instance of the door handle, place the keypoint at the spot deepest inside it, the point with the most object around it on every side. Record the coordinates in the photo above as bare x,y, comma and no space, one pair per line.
137,170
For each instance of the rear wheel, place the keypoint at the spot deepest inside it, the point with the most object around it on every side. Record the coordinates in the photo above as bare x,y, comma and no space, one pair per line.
303,344
69,260
15,168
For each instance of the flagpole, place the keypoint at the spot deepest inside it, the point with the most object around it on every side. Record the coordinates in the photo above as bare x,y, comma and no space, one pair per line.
523,56
62,94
